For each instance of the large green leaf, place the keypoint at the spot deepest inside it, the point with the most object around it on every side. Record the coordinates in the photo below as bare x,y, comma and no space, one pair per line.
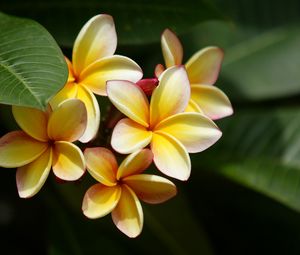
260,149
32,67
136,21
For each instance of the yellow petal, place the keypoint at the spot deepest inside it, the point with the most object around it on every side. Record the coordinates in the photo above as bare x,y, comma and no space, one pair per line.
71,76
18,149
67,92
128,136
100,200
171,48
96,39
31,177
32,121
171,96
109,68
193,107
93,113
128,214
129,99
195,131
170,157
135,163
68,161
213,102
204,66
102,165
68,121
151,189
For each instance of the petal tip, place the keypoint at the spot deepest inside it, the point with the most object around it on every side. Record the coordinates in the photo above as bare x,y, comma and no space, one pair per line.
177,176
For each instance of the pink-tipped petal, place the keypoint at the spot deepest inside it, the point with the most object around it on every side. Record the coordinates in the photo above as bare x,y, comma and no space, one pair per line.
204,66
151,189
159,69
135,163
170,157
128,214
100,200
96,39
68,161
171,96
93,113
128,136
102,165
110,68
171,48
31,177
129,99
68,121
194,130
18,149
213,101
32,121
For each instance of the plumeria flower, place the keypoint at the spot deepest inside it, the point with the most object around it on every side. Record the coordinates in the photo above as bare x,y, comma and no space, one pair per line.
93,63
45,142
163,124
203,69
120,188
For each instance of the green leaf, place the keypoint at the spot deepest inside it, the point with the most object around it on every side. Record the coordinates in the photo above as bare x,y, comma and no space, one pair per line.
32,67
261,150
137,22
265,66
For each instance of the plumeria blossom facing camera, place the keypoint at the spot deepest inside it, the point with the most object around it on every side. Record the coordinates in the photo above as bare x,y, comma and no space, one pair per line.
93,63
120,188
162,123
203,69
45,142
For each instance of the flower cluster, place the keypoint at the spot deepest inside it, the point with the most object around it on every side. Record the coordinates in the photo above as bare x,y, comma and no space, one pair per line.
163,119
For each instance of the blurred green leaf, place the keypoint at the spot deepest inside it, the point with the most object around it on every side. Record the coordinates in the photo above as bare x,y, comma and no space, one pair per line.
32,67
266,66
260,149
137,22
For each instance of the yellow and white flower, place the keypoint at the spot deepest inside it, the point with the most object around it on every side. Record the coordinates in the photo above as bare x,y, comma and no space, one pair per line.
93,63
163,124
203,69
120,188
45,142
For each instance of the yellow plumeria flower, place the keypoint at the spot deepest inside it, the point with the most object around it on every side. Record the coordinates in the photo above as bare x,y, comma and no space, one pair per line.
45,142
93,63
203,69
121,187
163,124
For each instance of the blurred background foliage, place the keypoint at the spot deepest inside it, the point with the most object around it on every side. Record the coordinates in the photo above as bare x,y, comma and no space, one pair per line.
243,196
